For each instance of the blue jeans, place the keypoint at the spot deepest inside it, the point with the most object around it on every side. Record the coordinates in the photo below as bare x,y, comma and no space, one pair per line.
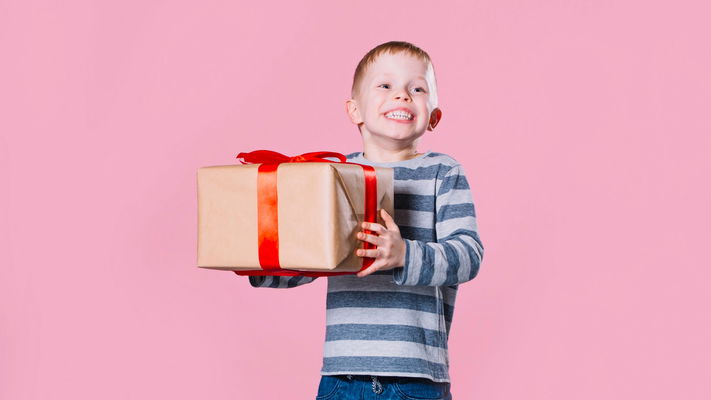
362,387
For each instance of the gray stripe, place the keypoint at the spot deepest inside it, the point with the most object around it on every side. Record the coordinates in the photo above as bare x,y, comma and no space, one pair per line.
449,211
381,283
417,202
374,365
450,182
440,264
300,280
425,173
387,333
280,282
428,264
452,264
423,234
256,281
386,316
373,299
272,281
415,218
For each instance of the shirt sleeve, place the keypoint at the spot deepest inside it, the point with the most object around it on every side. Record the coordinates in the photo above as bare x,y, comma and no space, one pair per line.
279,282
458,252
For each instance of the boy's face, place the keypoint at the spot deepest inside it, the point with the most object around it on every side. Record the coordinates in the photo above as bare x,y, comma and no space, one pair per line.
395,83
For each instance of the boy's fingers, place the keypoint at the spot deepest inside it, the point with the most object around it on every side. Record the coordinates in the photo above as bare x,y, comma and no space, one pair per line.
370,238
372,226
372,253
389,221
373,267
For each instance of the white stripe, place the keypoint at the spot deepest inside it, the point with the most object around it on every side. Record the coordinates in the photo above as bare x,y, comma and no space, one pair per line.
422,187
384,348
473,244
440,264
446,227
383,316
464,265
457,196
413,273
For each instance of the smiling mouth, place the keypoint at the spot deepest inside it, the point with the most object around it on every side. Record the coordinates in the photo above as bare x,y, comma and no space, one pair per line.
400,116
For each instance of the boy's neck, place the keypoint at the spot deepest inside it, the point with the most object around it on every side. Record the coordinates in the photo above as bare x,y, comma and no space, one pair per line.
378,154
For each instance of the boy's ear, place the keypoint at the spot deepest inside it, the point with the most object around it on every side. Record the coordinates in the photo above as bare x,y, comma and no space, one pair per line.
435,116
353,112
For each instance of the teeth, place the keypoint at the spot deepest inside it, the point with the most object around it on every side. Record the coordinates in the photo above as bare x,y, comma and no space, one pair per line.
399,115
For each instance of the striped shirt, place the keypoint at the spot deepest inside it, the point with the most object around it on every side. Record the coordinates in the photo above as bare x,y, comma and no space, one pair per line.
396,322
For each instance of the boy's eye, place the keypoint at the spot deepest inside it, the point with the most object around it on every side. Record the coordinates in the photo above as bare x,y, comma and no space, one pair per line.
387,86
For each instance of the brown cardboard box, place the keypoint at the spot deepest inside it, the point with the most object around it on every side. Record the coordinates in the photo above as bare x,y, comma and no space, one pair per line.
320,211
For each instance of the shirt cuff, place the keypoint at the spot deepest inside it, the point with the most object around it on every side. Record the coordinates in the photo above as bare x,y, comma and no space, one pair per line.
400,274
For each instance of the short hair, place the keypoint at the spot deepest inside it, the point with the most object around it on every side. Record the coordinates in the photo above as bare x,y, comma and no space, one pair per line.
392,47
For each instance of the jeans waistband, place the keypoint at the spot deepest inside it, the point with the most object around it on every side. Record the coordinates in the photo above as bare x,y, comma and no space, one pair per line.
384,379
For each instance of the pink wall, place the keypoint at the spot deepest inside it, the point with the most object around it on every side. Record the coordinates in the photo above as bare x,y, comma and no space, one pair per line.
584,127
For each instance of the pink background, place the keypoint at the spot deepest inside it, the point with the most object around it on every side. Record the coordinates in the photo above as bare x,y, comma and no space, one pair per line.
583,126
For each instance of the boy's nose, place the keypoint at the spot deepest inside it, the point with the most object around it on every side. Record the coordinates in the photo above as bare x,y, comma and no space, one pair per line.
402,96
401,93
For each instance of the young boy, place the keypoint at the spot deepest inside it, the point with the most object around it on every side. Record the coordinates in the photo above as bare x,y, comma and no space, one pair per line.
387,327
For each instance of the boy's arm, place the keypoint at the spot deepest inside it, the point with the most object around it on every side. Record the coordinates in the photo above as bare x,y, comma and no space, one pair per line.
279,282
458,252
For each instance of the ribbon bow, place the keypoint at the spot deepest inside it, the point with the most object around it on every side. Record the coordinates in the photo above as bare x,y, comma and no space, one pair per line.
272,157
267,207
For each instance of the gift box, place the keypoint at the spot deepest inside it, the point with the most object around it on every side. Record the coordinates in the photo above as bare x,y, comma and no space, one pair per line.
275,214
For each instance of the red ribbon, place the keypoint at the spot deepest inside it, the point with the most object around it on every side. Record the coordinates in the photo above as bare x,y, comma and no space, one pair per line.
267,208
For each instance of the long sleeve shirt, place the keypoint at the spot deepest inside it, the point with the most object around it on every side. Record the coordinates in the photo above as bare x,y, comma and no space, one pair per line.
397,322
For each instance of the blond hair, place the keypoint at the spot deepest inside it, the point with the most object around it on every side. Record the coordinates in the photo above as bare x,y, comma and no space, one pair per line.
393,47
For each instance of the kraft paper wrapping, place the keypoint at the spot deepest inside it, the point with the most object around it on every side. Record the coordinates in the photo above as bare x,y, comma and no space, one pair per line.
320,207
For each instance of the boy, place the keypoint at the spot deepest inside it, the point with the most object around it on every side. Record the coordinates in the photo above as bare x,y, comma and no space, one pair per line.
387,327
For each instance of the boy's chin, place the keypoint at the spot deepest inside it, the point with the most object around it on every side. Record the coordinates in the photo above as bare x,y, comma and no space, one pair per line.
396,134
409,137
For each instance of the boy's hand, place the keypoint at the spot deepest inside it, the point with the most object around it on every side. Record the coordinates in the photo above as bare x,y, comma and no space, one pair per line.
390,251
